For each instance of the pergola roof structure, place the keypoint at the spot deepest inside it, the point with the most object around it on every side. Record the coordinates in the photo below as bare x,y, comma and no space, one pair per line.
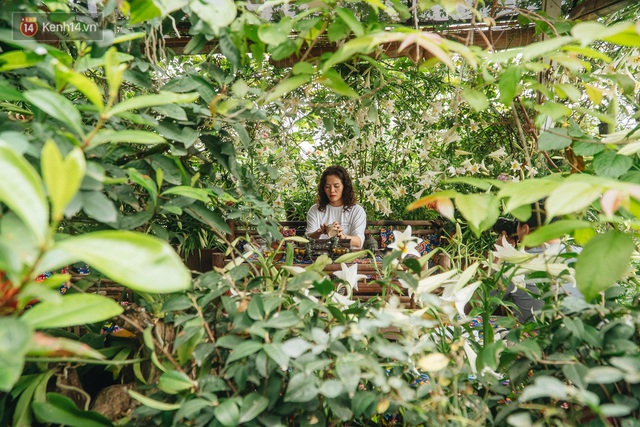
506,33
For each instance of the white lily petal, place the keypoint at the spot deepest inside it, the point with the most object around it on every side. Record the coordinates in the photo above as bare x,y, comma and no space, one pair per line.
293,269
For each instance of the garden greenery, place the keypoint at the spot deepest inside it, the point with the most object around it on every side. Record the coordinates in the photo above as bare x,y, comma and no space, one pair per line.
123,155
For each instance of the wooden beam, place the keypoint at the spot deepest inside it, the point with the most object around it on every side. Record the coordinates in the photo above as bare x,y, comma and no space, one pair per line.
593,9
498,38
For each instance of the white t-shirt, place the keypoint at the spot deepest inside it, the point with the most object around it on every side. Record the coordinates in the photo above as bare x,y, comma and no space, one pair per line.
353,220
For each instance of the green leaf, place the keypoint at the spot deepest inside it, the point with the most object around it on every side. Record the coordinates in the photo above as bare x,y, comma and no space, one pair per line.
174,382
583,148
575,373
303,68
301,388
337,30
325,287
284,319
611,165
146,182
276,353
21,189
350,256
603,375
99,207
143,10
113,70
541,48
545,386
566,90
526,192
83,83
286,86
44,345
201,194
331,388
209,217
252,406
332,80
476,99
128,136
145,101
58,107
154,404
137,261
61,176
16,59
275,33
243,350
227,413
217,14
554,139
61,410
554,230
15,335
508,84
480,210
571,197
623,34
350,19
554,110
72,310
602,262
359,45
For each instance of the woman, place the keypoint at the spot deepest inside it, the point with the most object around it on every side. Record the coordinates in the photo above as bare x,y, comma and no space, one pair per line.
336,212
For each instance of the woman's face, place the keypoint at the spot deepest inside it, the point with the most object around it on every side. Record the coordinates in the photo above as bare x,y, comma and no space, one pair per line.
333,189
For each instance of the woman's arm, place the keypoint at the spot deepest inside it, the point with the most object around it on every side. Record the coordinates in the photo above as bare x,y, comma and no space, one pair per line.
357,225
314,228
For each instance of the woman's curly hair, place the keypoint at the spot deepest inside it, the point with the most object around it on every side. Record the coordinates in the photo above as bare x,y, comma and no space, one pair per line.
348,195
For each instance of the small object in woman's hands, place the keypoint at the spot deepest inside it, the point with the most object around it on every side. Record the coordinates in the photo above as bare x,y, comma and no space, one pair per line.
332,231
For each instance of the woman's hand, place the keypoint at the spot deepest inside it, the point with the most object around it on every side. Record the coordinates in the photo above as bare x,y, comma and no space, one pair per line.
338,229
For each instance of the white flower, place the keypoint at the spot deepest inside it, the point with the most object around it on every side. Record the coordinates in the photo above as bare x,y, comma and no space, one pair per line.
405,242
459,297
516,166
508,253
351,276
277,203
483,168
341,300
423,154
473,127
451,170
40,51
531,171
474,168
437,108
383,206
400,192
365,181
498,154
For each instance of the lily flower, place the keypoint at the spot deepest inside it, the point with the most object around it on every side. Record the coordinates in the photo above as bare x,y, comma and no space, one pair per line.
351,276
454,298
498,153
405,242
508,253
458,294
341,300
